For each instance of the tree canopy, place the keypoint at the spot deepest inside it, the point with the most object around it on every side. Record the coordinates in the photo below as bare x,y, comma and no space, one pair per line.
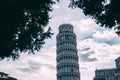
105,12
22,26
23,22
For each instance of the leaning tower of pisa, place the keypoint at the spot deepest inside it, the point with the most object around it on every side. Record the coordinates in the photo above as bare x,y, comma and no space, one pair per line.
67,56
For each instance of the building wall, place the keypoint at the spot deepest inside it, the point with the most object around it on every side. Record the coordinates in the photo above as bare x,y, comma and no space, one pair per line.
109,74
67,57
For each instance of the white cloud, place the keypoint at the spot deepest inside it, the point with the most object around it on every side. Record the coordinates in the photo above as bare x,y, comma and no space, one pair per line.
34,66
107,36
94,48
56,6
85,28
96,55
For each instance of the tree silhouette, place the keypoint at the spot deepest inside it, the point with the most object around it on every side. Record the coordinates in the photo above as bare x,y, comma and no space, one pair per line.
105,12
22,26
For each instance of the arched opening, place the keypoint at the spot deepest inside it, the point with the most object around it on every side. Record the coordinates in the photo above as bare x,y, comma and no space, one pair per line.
71,70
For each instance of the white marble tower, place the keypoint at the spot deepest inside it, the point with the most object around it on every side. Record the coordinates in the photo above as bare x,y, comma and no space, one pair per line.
67,56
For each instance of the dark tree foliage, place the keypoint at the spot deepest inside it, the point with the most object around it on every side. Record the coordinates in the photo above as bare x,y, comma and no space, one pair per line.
105,12
22,26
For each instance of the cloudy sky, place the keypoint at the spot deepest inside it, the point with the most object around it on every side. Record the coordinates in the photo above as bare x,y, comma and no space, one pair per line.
97,48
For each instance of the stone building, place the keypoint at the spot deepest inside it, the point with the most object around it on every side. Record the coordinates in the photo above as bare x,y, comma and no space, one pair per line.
67,55
109,74
5,76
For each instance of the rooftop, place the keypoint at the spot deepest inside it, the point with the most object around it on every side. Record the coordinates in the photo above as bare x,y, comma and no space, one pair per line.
117,58
3,73
106,69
